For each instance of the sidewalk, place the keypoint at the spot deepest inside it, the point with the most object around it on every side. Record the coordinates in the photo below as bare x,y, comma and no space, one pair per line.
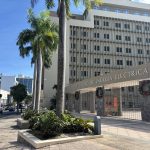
118,135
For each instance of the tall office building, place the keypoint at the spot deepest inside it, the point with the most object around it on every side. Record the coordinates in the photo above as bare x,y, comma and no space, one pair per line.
104,39
8,81
27,81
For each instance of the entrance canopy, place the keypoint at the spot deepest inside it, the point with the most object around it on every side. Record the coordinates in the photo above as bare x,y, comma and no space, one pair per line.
121,78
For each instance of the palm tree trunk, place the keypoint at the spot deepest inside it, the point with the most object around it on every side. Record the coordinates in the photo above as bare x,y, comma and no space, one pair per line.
34,85
39,80
61,60
43,72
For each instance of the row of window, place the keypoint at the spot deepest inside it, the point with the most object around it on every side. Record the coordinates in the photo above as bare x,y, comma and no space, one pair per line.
106,61
84,73
118,37
119,25
107,49
122,10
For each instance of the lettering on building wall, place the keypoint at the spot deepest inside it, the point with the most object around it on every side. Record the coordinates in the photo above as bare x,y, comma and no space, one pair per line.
120,76
127,75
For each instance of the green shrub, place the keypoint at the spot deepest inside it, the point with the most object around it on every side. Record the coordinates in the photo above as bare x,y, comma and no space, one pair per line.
28,114
46,124
72,124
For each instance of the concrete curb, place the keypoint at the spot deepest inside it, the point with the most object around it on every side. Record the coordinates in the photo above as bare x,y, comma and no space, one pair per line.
37,143
22,124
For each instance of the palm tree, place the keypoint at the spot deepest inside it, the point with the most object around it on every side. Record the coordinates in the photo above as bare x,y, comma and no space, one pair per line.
63,13
41,40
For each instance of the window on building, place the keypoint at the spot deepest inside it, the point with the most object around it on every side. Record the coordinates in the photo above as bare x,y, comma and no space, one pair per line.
96,47
140,62
139,39
106,48
106,23
129,62
147,28
126,11
106,36
73,32
84,47
122,88
146,14
148,52
118,25
128,50
138,27
127,26
96,35
73,72
147,40
119,49
119,62
83,60
96,22
140,51
117,10
84,73
107,61
97,61
127,38
118,37
106,72
97,73
84,34
131,88
73,59
73,45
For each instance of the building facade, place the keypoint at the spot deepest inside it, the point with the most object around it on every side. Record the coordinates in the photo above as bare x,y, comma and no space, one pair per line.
110,37
27,81
7,82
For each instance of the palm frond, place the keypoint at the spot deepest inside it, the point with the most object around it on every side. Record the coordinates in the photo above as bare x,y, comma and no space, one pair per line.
76,2
49,4
33,2
67,3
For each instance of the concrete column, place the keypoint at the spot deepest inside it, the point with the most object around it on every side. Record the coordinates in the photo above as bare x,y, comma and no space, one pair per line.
70,102
76,105
145,111
79,104
92,102
100,106
120,102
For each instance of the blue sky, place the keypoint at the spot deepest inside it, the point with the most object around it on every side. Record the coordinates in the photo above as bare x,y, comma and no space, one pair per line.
13,16
13,19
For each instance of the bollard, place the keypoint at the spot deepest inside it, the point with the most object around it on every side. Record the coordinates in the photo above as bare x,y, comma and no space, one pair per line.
97,125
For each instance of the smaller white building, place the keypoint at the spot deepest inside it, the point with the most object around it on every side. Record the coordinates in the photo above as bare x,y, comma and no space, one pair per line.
4,97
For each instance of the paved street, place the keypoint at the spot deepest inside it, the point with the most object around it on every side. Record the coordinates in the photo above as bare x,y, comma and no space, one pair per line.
118,135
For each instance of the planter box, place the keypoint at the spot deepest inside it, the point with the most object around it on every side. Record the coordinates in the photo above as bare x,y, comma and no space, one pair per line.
25,136
22,124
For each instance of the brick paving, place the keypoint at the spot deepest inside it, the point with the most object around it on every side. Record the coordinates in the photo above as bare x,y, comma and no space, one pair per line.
118,135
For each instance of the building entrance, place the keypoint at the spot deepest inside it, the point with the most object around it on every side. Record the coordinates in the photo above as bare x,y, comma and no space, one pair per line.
121,96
